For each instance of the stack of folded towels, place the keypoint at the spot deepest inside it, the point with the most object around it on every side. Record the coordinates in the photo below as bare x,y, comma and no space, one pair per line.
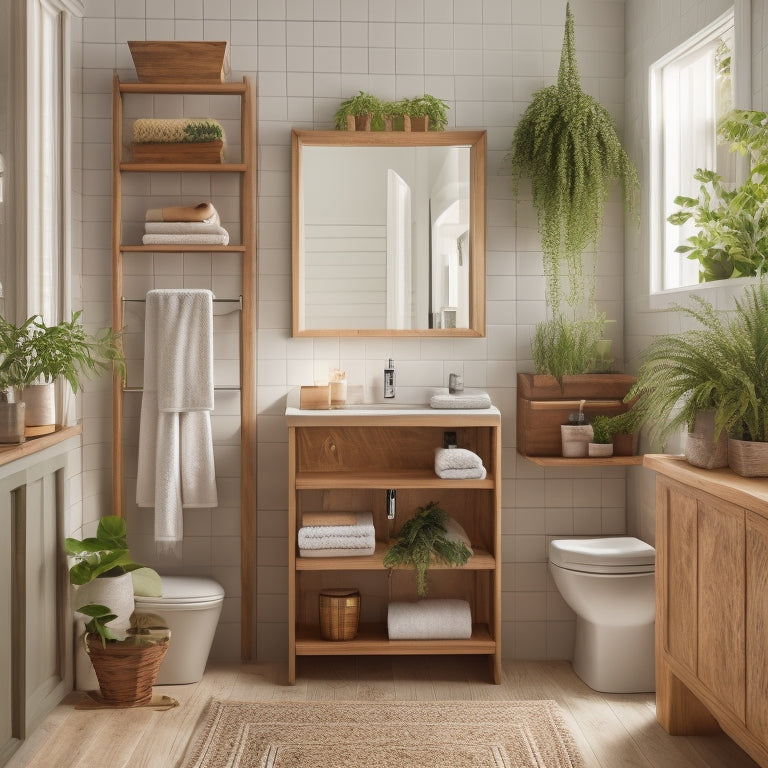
458,464
184,225
331,534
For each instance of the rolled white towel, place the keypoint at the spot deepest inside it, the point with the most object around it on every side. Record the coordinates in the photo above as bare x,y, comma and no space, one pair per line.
362,528
469,398
430,620
474,473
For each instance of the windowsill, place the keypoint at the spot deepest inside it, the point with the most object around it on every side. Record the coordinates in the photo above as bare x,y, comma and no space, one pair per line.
721,294
12,452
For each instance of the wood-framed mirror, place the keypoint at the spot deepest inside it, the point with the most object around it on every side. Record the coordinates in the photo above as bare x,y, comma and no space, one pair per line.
388,233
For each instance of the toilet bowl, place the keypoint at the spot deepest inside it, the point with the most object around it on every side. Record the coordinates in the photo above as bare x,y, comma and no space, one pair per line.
609,584
191,607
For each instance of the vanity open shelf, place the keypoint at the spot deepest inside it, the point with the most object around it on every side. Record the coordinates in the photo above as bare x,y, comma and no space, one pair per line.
346,461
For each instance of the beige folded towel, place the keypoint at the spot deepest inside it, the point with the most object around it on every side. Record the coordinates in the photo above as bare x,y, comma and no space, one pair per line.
328,518
186,239
199,212
183,228
469,398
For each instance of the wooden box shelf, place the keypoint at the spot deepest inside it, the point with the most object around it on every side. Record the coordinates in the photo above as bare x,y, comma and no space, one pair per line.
346,461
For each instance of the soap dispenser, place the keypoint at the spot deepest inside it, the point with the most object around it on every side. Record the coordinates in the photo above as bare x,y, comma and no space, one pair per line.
389,379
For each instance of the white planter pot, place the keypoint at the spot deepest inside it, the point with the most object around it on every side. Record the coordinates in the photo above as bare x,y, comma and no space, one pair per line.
116,592
40,416
600,450
576,439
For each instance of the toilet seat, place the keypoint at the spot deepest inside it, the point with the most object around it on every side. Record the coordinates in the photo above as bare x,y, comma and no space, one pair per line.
186,590
608,555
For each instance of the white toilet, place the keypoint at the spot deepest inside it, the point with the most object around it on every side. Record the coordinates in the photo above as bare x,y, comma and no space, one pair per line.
609,584
191,607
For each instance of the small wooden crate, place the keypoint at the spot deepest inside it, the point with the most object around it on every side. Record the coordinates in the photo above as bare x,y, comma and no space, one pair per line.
543,406
339,613
178,61
179,152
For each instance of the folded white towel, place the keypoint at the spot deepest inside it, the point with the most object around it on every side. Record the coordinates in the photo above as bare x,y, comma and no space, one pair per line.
196,239
469,398
175,462
184,228
430,620
362,535
456,458
340,552
458,464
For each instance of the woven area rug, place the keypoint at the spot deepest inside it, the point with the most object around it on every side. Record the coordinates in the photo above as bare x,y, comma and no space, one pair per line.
423,734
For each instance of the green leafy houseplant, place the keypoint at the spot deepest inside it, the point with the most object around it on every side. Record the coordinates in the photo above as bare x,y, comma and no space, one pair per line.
34,351
423,538
732,224
358,106
719,366
566,143
605,428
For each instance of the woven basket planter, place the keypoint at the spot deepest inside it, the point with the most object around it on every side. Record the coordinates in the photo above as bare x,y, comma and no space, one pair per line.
747,458
126,672
706,453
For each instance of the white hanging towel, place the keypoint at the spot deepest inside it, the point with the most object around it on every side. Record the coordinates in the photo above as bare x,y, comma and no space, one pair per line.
175,463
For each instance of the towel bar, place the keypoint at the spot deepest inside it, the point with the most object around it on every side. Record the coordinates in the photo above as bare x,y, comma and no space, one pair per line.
238,301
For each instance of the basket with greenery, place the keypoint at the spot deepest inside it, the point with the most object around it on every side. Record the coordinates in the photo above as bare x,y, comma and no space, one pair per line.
720,365
732,223
565,347
203,130
421,540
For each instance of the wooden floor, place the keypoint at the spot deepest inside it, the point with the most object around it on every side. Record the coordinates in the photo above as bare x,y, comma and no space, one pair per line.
613,731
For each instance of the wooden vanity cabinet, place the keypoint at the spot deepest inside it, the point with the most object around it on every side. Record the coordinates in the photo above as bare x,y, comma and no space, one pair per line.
347,460
712,603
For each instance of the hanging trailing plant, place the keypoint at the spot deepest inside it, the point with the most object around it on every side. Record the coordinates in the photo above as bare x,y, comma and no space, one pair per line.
566,142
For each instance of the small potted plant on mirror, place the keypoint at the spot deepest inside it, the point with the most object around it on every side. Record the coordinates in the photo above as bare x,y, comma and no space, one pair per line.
424,113
359,113
601,445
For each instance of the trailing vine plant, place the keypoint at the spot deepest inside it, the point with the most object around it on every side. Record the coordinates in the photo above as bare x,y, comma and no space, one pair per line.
566,143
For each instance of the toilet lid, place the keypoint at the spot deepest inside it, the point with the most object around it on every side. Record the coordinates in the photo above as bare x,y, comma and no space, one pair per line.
618,554
185,589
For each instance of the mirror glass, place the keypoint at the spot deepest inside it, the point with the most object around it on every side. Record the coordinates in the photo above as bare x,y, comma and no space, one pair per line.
388,233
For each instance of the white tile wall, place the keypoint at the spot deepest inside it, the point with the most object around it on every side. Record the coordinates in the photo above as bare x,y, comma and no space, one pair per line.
485,58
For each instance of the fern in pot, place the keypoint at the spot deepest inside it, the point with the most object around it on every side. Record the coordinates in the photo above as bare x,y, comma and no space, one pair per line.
566,143
720,366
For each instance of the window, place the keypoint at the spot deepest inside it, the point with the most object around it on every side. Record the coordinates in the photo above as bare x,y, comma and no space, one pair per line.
690,89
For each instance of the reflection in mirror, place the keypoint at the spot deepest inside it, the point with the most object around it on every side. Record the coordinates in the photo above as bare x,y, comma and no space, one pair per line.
389,233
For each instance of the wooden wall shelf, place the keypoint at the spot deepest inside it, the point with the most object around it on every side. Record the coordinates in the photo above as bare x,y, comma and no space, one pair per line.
562,461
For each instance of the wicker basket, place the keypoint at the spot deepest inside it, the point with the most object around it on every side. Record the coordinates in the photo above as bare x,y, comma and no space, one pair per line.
747,458
339,613
126,673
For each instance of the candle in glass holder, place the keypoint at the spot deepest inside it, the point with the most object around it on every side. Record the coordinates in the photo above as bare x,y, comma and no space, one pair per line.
337,380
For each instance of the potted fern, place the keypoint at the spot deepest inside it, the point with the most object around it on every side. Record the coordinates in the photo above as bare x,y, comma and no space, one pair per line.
566,143
423,539
425,113
720,366
362,112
